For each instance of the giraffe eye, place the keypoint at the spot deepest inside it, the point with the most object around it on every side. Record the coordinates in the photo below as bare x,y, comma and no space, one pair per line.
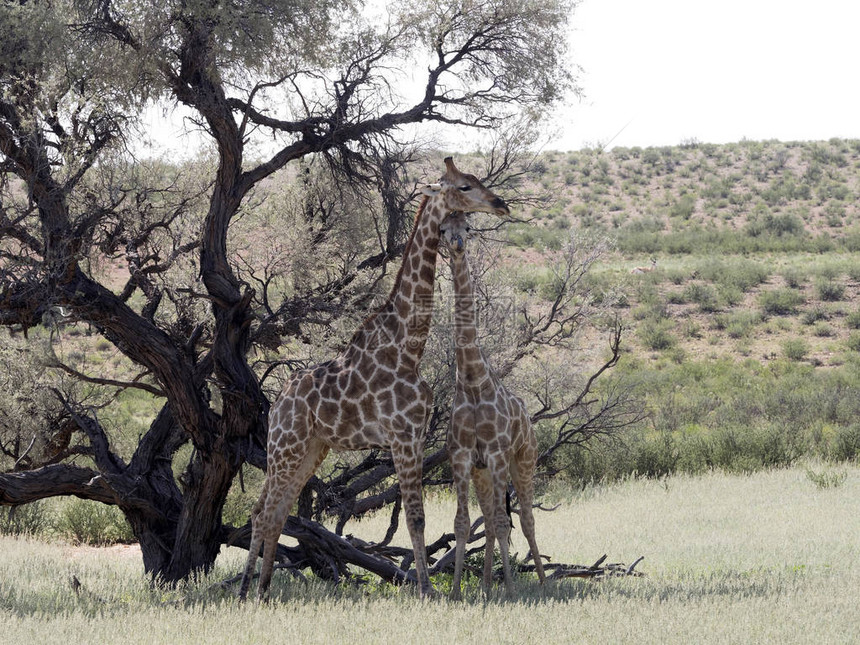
465,188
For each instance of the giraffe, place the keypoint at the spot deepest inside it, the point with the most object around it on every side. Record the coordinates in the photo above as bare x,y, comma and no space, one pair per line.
490,434
371,395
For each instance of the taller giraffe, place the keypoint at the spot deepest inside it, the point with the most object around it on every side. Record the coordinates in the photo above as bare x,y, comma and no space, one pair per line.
490,433
371,395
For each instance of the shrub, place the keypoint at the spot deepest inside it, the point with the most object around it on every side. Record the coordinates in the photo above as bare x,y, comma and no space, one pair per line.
676,276
703,295
853,320
781,225
692,329
29,519
829,291
737,274
845,444
823,330
795,349
853,341
730,296
740,324
814,315
853,271
87,522
794,277
656,335
780,302
683,208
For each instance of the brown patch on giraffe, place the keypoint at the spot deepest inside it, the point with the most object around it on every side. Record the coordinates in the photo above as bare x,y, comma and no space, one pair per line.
383,379
404,303
368,407
387,355
427,274
305,384
343,381
328,411
386,403
355,387
313,399
349,414
404,391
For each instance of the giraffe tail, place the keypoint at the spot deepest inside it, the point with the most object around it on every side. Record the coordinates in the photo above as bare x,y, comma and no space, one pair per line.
508,507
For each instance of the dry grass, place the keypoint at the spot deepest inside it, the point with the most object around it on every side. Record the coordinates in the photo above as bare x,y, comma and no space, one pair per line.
769,557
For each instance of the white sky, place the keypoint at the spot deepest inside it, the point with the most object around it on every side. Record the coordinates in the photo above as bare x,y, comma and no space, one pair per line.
663,71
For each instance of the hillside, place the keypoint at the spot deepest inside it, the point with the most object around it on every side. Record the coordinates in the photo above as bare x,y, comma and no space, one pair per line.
743,342
755,243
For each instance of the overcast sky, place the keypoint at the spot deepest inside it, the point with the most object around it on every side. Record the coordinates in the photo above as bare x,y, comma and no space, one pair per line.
658,72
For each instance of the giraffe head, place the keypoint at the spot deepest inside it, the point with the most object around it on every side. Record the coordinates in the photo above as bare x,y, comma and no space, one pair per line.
464,193
455,231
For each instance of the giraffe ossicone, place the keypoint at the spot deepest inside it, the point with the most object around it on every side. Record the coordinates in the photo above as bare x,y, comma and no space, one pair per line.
369,396
491,434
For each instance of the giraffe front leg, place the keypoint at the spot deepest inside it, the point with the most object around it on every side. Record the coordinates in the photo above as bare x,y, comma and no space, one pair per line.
408,464
460,463
256,543
287,479
280,501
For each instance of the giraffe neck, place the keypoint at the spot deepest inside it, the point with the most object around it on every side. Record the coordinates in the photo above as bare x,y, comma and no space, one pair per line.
413,290
403,321
471,367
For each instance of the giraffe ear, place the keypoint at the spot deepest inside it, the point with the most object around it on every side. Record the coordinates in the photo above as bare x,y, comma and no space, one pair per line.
430,189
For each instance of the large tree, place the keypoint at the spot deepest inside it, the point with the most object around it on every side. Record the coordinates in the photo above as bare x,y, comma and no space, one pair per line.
144,251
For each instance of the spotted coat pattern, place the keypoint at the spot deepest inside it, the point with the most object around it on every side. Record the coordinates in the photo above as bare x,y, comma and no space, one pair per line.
490,434
371,395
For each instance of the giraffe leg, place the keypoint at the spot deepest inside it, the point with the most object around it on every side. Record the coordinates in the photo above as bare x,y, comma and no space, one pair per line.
408,464
460,462
522,474
484,493
256,542
295,473
501,521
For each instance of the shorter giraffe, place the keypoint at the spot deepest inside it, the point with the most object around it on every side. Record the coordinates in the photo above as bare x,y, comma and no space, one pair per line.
490,435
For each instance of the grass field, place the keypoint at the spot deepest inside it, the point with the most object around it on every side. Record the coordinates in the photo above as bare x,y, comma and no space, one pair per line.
769,557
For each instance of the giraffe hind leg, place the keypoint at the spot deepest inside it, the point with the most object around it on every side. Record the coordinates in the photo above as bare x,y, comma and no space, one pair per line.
503,531
523,478
484,493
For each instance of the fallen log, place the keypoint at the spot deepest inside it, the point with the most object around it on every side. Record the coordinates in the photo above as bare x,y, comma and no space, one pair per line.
598,570
330,556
